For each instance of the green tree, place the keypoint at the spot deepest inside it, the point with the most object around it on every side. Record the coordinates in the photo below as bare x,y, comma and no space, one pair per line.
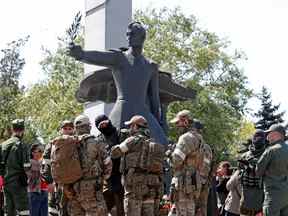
199,59
268,114
52,100
11,66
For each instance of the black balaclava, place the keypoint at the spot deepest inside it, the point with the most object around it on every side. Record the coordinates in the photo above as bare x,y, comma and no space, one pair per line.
259,139
107,131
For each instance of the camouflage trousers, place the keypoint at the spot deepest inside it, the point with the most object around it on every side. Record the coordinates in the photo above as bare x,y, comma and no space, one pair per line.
183,206
203,199
133,207
88,201
142,194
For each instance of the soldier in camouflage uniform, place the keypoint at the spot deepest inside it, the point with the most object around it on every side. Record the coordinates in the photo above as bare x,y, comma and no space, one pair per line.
143,186
273,167
205,172
54,198
86,197
15,161
185,160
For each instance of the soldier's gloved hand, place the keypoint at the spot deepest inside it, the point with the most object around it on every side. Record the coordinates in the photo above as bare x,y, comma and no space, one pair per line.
116,152
75,51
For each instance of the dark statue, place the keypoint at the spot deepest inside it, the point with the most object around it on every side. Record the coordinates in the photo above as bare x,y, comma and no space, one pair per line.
136,80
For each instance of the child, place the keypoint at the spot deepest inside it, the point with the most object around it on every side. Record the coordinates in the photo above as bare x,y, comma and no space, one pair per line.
37,187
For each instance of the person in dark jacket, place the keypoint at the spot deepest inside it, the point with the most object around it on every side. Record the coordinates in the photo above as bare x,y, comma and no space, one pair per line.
113,189
16,161
273,168
251,184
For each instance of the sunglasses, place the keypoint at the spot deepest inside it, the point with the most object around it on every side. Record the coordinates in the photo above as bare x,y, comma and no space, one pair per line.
68,128
39,151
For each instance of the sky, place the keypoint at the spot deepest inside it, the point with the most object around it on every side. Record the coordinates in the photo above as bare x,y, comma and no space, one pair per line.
258,27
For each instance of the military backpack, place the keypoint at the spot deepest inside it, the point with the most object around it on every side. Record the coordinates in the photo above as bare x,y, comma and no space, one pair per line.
148,157
65,161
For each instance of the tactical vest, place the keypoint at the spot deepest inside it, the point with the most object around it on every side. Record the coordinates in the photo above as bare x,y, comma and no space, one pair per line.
147,157
143,169
91,167
206,163
188,178
194,159
252,193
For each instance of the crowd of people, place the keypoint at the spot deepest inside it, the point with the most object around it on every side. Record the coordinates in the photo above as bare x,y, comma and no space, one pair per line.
258,185
122,172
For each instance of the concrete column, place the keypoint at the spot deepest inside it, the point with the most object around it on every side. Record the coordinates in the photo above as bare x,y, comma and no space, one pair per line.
106,22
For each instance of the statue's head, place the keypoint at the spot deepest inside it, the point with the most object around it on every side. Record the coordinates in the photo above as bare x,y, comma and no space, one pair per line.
136,34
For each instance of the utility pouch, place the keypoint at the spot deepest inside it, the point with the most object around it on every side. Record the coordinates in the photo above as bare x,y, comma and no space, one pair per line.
141,191
68,192
129,177
189,183
153,180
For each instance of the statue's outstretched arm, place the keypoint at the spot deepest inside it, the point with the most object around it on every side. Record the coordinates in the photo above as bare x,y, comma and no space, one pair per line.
153,94
101,58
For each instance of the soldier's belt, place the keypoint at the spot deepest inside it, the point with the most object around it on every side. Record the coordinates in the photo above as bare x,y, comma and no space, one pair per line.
246,211
141,171
88,178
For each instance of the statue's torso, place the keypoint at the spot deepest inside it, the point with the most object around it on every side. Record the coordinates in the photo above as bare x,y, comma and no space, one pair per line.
132,76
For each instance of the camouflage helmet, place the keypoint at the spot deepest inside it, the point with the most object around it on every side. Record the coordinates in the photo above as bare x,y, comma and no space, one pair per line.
182,114
18,124
66,123
138,120
81,120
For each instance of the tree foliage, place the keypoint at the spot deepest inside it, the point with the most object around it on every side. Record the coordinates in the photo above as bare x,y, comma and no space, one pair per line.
11,66
268,114
52,100
199,59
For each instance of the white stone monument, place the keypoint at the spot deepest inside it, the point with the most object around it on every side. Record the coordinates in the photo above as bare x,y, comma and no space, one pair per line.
106,22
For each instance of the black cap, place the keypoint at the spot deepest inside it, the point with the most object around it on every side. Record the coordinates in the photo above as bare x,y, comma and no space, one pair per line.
99,119
259,132
197,124
18,124
276,127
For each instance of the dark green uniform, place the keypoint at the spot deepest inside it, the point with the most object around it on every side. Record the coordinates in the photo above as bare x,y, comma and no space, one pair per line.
273,166
15,189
